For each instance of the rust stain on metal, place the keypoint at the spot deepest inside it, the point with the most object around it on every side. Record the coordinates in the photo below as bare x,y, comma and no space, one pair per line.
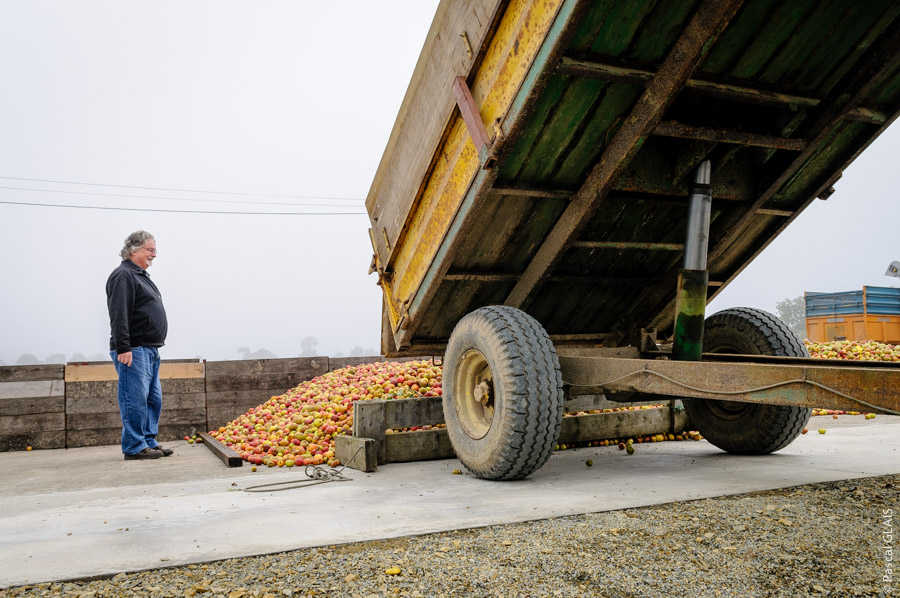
470,114
705,26
629,245
457,160
683,131
799,383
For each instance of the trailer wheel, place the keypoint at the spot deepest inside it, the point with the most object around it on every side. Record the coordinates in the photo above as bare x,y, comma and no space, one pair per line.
748,428
503,393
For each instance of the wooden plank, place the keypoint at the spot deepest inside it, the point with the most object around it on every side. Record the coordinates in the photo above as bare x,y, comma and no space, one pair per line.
228,456
356,453
242,398
92,405
307,367
109,388
112,435
98,373
238,400
39,440
32,405
94,437
624,424
33,423
418,446
27,373
90,421
403,413
426,109
192,417
85,390
336,363
591,402
110,404
33,388
184,401
368,422
112,419
275,383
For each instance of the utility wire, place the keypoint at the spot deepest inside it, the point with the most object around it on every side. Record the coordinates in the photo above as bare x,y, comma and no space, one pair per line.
50,205
13,178
320,205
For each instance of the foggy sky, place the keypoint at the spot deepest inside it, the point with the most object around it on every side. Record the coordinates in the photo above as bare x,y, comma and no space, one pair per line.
280,98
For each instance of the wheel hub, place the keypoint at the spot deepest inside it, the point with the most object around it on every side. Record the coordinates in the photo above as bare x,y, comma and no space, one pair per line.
474,396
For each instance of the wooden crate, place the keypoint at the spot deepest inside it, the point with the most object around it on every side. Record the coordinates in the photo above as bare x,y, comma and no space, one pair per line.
370,445
233,387
32,407
92,408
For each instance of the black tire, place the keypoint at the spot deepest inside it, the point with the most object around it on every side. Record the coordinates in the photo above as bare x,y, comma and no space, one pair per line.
748,428
503,393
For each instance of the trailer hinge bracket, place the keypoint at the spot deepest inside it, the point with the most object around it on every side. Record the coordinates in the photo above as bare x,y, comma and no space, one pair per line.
472,118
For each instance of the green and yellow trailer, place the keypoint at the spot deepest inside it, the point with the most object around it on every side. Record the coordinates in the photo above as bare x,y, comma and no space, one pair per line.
569,182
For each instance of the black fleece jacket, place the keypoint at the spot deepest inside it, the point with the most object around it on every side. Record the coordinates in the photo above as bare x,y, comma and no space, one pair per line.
137,317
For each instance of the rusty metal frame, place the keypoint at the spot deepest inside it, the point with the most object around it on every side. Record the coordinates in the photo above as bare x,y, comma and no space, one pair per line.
682,131
470,114
692,46
773,381
628,245
591,69
832,115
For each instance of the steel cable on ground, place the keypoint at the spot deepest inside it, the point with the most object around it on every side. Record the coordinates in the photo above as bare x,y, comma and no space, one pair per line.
319,475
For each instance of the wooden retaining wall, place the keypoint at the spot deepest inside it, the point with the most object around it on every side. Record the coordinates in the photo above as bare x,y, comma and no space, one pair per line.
370,445
32,407
92,406
56,406
72,405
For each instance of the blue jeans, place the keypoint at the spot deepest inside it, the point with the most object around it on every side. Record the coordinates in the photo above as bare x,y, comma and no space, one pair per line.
140,399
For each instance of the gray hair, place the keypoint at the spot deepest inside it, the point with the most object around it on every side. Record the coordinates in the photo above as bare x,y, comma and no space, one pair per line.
134,242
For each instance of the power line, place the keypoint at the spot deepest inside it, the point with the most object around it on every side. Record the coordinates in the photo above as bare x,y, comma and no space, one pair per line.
13,178
320,205
50,205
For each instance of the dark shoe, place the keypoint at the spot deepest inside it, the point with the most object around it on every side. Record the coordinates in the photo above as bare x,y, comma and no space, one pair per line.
147,453
165,452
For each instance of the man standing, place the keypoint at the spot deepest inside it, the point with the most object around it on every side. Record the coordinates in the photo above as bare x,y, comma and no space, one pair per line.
138,326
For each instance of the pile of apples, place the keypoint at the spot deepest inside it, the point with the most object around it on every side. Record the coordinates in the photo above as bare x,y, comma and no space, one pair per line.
298,427
857,350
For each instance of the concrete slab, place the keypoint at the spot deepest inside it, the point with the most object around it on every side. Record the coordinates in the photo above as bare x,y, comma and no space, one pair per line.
76,513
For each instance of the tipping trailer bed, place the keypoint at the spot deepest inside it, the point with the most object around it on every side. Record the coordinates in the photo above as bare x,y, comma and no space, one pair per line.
547,152
596,114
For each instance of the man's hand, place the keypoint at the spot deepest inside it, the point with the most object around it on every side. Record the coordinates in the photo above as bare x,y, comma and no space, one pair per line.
124,358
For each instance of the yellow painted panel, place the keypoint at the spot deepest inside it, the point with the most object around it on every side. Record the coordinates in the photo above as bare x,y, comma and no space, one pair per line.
510,54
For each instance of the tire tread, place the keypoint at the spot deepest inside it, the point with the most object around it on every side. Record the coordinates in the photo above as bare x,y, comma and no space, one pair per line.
776,425
531,376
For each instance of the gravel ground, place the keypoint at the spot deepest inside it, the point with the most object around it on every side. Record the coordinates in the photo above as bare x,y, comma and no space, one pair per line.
823,539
